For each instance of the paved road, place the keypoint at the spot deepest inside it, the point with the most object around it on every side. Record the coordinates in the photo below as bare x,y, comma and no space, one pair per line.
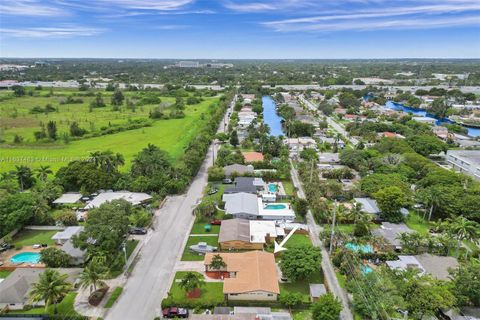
327,267
153,272
337,127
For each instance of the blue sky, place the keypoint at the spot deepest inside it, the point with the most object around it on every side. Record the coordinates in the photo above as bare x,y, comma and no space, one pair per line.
237,29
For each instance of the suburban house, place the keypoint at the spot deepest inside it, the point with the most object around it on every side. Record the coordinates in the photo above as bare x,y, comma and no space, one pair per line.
246,184
15,288
247,234
433,265
68,198
135,198
237,169
241,205
63,236
426,120
247,276
369,205
299,144
465,161
329,158
252,156
64,239
248,206
441,132
332,141
391,233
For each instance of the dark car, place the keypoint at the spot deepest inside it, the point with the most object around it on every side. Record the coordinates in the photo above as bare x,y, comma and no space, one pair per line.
216,222
137,231
5,246
174,312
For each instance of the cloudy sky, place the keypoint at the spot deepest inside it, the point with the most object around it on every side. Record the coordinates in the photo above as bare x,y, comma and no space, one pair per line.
240,28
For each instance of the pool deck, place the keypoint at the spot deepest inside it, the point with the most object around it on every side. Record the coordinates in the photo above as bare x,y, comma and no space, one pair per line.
7,265
280,189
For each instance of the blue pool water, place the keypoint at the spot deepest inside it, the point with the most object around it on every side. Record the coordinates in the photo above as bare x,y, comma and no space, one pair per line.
473,132
366,269
365,248
270,116
272,187
275,206
26,257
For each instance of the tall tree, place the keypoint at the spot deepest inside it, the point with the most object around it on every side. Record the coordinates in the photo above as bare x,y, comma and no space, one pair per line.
234,138
117,98
24,177
191,282
300,261
52,130
93,274
51,287
217,262
43,172
327,307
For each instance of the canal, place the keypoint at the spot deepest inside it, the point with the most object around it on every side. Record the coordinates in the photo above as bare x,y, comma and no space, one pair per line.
473,132
270,116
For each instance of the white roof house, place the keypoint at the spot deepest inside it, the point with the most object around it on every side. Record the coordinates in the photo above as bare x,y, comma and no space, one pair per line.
405,262
369,205
65,235
241,205
69,197
135,198
260,229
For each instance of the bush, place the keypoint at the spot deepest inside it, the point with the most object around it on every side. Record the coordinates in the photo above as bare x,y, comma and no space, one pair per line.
66,217
54,258
215,173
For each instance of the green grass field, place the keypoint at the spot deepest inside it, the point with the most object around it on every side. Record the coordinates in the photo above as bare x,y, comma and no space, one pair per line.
31,237
4,274
170,135
113,298
188,255
302,286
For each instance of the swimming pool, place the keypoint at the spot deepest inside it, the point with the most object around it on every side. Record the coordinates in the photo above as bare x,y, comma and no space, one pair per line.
366,269
26,257
364,248
272,187
275,206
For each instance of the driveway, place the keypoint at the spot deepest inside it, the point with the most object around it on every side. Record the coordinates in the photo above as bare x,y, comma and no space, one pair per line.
153,273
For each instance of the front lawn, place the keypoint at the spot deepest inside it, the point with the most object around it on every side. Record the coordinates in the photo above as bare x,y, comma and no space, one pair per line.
4,274
63,308
199,228
212,294
31,237
189,255
131,245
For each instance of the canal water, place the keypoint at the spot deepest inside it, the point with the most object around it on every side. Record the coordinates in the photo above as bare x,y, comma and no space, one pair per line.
270,116
473,132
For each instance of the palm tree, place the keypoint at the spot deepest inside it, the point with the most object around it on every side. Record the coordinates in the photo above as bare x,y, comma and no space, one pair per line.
107,160
92,275
43,172
24,176
191,281
51,287
462,229
217,263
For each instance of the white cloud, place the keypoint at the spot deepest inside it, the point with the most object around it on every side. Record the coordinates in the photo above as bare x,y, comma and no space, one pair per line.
172,27
160,5
29,8
51,32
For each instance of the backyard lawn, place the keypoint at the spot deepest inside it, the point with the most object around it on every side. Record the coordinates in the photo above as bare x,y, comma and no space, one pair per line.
212,294
417,223
298,239
288,186
188,255
302,286
31,237
63,308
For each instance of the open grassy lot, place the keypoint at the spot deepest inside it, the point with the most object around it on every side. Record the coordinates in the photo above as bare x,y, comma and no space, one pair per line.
31,237
63,308
171,135
302,286
212,294
188,255
417,223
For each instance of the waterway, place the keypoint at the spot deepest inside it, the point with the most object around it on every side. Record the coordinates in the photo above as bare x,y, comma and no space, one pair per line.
271,117
473,132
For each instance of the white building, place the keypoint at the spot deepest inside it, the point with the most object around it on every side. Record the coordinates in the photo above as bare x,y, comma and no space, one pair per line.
465,161
135,198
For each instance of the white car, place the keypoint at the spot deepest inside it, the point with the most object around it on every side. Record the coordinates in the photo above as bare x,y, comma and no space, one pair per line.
36,246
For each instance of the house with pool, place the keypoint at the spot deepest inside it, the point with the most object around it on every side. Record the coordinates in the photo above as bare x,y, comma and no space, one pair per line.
249,206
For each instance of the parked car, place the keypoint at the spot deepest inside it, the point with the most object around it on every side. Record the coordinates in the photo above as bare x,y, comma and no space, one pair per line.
5,246
174,312
227,181
212,191
36,246
216,222
136,230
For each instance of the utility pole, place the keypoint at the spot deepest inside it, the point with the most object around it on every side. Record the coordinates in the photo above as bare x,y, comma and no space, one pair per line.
333,227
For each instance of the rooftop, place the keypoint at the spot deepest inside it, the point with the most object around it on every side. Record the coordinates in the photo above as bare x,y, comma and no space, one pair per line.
70,197
234,229
391,232
369,205
241,202
471,156
255,271
68,233
253,156
134,198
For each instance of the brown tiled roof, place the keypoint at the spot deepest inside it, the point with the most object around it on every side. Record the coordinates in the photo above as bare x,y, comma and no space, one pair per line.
252,156
255,271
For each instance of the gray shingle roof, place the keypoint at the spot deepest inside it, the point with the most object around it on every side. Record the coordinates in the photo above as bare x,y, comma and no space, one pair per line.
234,229
241,203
